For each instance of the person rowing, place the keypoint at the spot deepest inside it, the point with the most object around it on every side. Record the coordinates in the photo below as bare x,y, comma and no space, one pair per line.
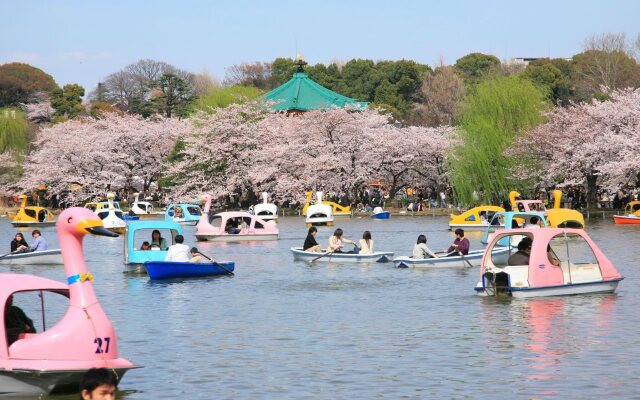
460,246
336,242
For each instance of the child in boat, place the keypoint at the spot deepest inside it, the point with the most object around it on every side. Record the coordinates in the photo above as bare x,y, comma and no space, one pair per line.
421,251
98,383
310,243
336,241
195,255
366,243
18,244
145,246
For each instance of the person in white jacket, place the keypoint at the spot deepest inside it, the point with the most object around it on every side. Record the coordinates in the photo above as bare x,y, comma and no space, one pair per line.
178,251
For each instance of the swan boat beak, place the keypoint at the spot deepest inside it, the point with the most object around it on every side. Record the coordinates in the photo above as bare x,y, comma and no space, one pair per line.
95,227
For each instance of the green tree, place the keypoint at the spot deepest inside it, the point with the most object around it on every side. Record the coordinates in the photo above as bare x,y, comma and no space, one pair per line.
595,69
281,70
174,96
68,101
552,76
20,82
223,96
475,66
500,109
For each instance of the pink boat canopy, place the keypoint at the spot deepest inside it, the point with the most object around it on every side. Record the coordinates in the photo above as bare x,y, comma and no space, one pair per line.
558,257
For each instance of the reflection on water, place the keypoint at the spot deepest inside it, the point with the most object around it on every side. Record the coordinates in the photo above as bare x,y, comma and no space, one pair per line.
285,329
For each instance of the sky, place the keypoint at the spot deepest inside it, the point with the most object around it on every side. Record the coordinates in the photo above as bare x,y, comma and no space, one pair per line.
83,41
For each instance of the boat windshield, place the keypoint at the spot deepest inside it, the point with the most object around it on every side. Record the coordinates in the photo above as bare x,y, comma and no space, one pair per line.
194,210
145,235
575,256
43,308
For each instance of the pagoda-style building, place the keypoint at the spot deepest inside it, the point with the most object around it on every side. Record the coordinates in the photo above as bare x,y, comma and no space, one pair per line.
302,94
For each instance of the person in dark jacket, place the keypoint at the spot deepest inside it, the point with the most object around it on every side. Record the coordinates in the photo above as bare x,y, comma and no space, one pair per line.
310,243
18,244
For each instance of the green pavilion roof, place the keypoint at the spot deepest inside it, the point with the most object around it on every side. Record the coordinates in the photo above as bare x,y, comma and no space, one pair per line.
301,93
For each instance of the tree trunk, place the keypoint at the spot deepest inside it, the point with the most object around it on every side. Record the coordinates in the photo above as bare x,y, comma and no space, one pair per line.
592,191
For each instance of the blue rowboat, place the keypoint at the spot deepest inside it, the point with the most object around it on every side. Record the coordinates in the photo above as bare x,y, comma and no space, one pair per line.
175,269
128,217
381,215
474,258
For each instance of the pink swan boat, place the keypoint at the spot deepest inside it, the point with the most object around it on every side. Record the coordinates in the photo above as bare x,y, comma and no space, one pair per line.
233,226
561,262
55,359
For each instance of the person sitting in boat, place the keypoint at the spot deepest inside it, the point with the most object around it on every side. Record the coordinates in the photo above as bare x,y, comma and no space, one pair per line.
98,383
483,216
366,243
336,242
195,255
16,321
131,213
553,257
178,252
39,243
534,222
232,227
157,241
521,257
460,246
18,244
421,251
310,243
178,213
145,246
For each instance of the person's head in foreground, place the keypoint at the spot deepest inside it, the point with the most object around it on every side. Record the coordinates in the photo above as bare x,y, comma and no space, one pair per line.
98,384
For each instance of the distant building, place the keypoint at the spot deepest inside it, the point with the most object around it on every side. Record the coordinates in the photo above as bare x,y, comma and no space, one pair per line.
302,94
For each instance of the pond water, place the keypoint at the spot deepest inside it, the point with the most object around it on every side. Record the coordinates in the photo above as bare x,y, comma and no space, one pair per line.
284,329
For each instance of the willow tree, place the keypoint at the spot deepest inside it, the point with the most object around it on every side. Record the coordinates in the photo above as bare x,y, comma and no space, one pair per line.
13,142
499,110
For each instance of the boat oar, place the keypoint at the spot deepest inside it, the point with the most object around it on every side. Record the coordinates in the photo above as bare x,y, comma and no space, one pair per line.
325,254
8,254
464,259
217,264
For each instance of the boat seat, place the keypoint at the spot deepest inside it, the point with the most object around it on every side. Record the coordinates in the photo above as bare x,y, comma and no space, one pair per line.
578,273
518,275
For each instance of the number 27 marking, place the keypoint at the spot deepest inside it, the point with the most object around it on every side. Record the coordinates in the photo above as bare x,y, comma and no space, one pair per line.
99,342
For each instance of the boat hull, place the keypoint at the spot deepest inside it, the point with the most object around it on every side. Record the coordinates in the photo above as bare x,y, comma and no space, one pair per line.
626,219
474,258
380,256
33,258
381,215
172,269
561,290
28,382
474,227
240,237
22,224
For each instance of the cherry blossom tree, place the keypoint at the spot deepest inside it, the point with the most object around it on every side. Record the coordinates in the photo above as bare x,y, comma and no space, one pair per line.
592,144
86,157
241,148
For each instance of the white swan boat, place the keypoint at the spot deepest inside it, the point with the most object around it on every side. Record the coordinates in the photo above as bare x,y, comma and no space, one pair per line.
378,256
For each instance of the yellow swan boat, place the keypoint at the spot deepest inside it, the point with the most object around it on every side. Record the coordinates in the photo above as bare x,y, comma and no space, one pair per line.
337,208
31,215
472,219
